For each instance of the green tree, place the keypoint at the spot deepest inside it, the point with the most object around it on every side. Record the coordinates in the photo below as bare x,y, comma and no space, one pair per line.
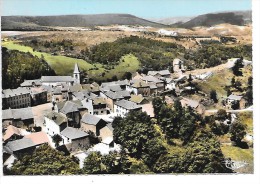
93,164
237,66
213,96
237,131
221,114
157,105
56,139
136,133
45,161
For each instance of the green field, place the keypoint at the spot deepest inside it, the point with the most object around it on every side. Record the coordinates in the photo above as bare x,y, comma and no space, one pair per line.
63,65
239,154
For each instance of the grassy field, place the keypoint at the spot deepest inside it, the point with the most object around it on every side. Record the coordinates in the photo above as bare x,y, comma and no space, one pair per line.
247,119
63,65
221,79
238,154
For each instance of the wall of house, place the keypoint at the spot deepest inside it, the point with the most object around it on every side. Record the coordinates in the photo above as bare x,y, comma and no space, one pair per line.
51,127
120,111
19,101
86,127
105,132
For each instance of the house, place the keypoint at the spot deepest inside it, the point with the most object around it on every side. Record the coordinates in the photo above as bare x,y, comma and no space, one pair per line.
31,83
121,83
57,95
38,138
170,84
93,88
122,107
96,106
109,141
155,83
138,87
27,144
75,139
195,105
16,98
71,109
161,73
83,95
21,118
92,123
38,96
178,66
12,133
106,131
111,98
55,122
235,102
49,90
24,145
138,99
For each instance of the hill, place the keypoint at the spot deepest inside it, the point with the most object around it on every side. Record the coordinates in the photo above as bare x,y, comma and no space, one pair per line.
235,18
47,22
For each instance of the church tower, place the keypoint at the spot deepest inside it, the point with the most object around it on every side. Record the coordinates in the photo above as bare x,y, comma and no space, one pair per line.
76,74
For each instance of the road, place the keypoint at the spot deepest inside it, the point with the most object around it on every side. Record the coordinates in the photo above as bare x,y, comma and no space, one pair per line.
249,109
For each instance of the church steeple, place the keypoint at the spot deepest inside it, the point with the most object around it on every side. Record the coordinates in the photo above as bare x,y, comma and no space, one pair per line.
76,73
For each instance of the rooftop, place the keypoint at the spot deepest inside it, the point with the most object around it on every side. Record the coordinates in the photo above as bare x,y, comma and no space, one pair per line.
22,113
58,118
136,98
73,133
150,78
19,144
38,138
90,119
56,79
161,72
14,92
29,83
70,106
234,97
11,130
127,104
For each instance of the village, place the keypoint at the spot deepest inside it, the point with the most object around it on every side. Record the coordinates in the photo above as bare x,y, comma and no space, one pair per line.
77,118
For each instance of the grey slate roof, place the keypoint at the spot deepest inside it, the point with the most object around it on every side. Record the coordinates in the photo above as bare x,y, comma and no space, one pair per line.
113,95
69,107
23,113
127,104
90,119
235,97
73,133
19,145
75,88
115,88
150,78
56,79
123,93
14,92
29,83
161,72
58,118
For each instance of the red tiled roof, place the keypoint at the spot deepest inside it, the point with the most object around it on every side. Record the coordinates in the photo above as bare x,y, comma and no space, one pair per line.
38,138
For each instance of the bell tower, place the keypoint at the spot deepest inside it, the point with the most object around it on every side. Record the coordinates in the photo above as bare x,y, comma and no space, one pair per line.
76,74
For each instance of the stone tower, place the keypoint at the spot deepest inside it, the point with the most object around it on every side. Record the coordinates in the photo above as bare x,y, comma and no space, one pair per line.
76,74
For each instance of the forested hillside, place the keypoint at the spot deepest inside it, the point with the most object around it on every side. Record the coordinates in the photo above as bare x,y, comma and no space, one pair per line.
18,66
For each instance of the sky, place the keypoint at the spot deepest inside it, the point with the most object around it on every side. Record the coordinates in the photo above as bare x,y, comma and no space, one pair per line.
140,8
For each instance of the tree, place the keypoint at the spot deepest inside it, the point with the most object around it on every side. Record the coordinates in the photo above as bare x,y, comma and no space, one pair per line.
213,96
136,133
127,75
93,164
56,139
157,105
114,78
233,81
237,131
45,161
237,66
221,114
